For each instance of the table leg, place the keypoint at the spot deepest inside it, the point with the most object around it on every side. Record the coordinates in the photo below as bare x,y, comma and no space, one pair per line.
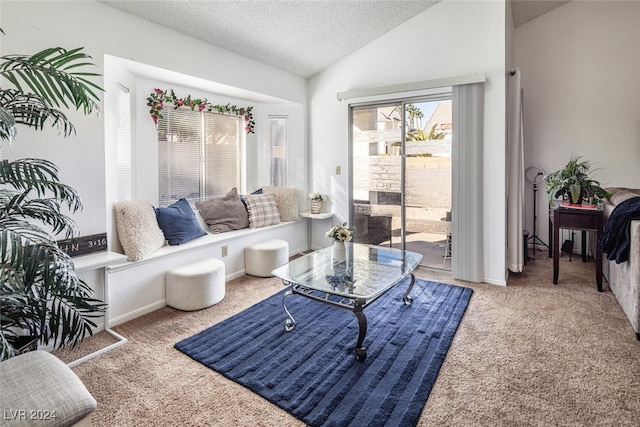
599,254
407,298
361,352
584,246
290,323
550,238
556,246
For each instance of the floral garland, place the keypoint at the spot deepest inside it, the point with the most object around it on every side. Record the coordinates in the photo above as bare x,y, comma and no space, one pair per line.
159,97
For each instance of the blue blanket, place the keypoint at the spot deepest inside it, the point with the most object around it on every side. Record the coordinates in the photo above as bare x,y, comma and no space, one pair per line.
616,235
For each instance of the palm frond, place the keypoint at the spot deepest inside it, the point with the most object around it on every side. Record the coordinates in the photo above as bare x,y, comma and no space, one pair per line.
23,232
19,220
42,177
68,306
59,308
31,110
51,74
7,125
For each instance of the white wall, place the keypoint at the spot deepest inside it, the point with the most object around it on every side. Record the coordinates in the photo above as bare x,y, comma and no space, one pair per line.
509,37
452,38
31,26
581,77
580,68
84,159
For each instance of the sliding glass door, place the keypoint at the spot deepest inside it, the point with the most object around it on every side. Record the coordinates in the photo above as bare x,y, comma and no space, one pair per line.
401,182
376,140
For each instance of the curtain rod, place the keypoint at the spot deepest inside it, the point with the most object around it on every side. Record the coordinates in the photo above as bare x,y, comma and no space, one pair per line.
407,87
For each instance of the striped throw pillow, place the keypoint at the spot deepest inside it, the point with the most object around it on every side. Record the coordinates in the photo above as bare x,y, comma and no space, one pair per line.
263,210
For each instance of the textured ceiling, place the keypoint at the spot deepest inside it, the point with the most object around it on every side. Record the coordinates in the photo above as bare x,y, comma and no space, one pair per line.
300,36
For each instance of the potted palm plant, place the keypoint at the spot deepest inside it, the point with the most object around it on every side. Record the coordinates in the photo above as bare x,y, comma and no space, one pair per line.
574,184
41,296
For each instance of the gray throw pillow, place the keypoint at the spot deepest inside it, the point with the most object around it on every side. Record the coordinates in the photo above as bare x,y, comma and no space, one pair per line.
225,213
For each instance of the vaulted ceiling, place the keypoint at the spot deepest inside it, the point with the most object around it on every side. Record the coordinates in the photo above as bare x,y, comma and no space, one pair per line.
300,36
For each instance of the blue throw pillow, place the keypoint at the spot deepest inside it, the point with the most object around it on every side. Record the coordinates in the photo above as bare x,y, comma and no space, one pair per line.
179,223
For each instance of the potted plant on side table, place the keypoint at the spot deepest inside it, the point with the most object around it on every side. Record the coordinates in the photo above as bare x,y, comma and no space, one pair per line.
316,202
574,184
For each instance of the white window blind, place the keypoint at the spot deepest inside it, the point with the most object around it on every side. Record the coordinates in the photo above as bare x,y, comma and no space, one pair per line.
278,150
124,144
222,154
467,194
198,155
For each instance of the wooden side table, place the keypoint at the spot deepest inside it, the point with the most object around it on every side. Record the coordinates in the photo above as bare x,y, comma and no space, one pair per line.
576,219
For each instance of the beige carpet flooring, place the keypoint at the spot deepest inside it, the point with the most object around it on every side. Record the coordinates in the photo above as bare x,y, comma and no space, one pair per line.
529,354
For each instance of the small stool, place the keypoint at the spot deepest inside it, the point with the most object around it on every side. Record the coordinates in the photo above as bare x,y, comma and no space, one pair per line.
262,258
195,286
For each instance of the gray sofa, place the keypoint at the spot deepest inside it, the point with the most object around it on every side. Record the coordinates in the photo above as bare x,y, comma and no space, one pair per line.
38,389
624,278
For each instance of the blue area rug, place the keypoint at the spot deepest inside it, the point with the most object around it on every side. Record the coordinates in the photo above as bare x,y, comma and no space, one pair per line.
312,373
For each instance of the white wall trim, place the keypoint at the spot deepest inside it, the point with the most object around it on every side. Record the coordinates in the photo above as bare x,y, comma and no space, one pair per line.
136,313
495,282
413,86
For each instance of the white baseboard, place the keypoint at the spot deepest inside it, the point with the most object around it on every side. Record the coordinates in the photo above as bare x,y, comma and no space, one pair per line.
495,282
136,313
235,275
155,306
298,251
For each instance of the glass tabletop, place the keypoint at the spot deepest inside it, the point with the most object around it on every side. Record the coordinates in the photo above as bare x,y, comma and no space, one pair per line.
361,271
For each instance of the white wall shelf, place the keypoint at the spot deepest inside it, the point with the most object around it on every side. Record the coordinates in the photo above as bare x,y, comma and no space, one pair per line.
322,215
97,260
314,217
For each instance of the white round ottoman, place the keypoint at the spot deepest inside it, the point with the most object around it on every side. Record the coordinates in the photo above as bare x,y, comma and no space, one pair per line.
260,259
195,286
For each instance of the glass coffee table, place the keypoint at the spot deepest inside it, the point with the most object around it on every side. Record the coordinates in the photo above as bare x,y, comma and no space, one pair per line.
352,279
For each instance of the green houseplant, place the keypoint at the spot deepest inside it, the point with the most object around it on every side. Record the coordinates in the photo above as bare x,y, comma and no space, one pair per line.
574,184
41,296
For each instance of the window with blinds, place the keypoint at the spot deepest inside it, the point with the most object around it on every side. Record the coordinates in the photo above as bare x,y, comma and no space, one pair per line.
124,144
278,150
198,155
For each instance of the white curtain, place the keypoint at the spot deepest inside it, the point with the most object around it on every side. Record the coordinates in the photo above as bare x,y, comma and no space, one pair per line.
467,262
515,174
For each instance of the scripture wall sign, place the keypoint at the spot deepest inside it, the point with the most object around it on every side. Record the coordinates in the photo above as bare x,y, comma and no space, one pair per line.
84,245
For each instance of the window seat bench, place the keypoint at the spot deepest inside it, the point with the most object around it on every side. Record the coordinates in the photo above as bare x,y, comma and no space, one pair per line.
138,287
209,240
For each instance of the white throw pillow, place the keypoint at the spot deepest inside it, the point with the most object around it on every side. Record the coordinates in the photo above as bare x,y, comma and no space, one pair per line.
287,198
138,229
